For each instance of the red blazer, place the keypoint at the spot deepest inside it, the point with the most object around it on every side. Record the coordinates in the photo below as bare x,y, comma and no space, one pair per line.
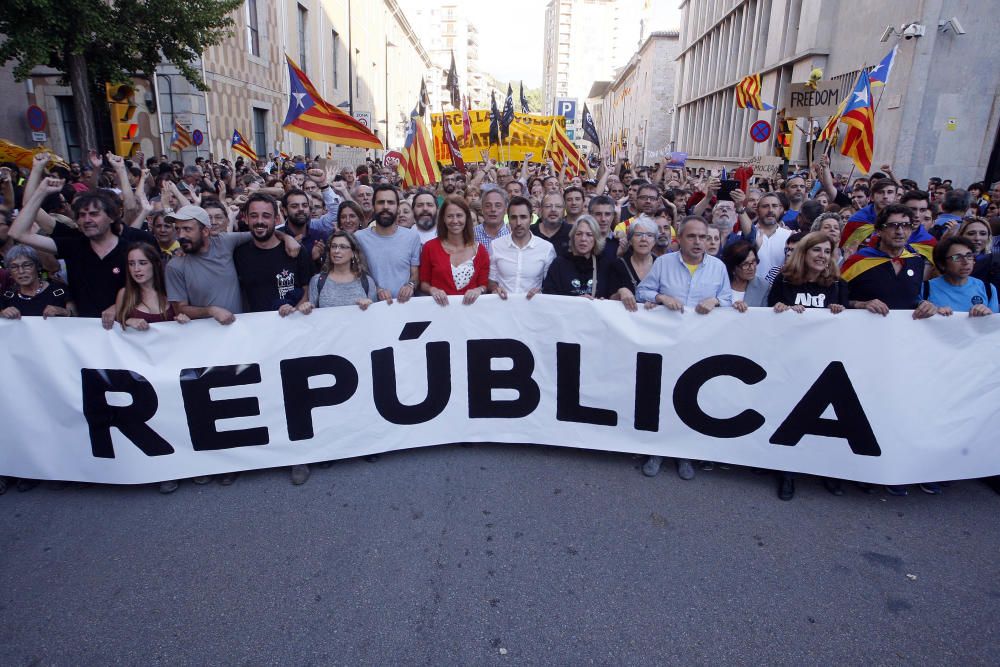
435,268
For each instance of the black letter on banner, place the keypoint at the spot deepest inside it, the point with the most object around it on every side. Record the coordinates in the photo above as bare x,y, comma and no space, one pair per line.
203,412
648,385
483,379
130,420
438,386
568,408
833,387
300,400
690,383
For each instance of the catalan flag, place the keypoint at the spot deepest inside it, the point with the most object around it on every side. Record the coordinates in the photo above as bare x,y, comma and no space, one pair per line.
418,165
241,146
748,94
867,258
311,116
830,129
562,151
859,116
180,139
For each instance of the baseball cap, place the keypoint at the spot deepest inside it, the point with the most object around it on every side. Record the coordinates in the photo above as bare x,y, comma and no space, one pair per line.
190,212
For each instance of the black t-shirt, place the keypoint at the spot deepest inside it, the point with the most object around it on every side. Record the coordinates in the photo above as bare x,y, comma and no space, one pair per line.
270,278
572,275
54,294
899,291
93,281
810,295
559,240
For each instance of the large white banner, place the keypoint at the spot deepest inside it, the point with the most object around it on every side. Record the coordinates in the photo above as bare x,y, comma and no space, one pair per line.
856,396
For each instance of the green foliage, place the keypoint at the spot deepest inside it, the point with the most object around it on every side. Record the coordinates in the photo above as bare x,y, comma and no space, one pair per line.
117,38
533,95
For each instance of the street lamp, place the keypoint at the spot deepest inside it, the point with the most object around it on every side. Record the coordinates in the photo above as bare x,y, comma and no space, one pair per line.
386,121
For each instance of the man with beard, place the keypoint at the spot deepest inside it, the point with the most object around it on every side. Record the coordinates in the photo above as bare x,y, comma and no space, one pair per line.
494,205
767,234
393,252
551,226
270,278
203,283
299,223
449,183
724,216
519,260
363,196
425,210
795,191
664,232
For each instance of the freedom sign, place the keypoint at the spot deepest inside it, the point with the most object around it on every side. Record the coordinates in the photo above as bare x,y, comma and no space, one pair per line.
842,396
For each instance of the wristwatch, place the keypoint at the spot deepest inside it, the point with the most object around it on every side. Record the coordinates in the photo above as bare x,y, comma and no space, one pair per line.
741,211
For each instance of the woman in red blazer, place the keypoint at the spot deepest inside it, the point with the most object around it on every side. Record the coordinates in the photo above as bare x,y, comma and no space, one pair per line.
454,263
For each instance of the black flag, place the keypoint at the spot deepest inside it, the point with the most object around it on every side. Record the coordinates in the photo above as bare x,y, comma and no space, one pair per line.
494,119
452,84
589,129
424,100
524,101
508,114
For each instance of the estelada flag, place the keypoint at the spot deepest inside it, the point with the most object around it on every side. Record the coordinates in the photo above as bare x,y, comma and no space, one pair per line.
867,258
311,116
859,116
181,138
241,146
418,164
562,151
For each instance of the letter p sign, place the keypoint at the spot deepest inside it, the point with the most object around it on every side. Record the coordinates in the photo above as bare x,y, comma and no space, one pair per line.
566,107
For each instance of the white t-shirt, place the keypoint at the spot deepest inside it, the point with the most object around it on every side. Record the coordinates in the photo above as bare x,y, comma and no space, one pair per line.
771,252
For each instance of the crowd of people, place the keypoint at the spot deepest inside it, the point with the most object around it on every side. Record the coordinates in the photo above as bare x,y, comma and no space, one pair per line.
136,242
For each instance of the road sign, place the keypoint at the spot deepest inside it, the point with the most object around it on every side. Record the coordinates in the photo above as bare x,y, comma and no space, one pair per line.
364,117
197,137
760,131
566,106
39,137
36,118
392,158
804,102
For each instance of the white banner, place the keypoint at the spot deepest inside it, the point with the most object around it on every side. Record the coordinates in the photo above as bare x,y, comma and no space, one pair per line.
885,400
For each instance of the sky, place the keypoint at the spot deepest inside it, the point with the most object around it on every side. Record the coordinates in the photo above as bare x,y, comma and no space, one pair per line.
511,38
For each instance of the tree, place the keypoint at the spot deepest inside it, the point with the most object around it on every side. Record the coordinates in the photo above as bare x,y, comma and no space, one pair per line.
93,41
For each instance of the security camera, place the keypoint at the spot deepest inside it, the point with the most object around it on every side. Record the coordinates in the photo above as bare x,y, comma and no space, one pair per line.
953,24
913,30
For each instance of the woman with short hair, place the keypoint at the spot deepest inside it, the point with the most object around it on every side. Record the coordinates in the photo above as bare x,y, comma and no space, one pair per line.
749,289
30,295
627,271
582,271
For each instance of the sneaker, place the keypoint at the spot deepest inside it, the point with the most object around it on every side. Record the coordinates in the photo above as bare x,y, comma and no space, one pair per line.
651,468
300,474
204,479
169,486
833,486
932,488
897,490
684,469
786,487
228,478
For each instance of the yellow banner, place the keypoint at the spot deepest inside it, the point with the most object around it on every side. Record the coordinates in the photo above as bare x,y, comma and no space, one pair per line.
23,157
528,134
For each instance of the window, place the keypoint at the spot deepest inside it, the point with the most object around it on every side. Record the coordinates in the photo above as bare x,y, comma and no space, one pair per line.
336,59
303,16
253,28
260,132
72,138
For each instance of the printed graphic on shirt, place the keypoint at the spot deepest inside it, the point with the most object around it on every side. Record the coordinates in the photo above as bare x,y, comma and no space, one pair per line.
286,282
810,300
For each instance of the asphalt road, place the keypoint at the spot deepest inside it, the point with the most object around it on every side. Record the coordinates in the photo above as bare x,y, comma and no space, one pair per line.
495,554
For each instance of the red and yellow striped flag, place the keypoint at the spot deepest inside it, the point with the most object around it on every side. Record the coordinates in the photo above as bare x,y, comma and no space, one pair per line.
418,165
561,150
241,146
748,93
181,138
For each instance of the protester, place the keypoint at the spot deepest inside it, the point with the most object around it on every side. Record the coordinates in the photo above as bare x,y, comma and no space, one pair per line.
519,261
956,290
582,271
30,295
425,208
143,300
551,225
767,234
810,278
454,263
393,252
494,204
978,233
629,270
749,289
350,217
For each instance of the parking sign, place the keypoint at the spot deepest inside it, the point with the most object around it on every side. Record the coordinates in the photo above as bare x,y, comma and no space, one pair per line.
566,106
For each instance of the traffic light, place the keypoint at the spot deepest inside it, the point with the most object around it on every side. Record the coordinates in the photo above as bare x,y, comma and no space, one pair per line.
124,128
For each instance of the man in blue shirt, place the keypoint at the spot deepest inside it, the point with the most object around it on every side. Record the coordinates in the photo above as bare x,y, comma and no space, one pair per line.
686,278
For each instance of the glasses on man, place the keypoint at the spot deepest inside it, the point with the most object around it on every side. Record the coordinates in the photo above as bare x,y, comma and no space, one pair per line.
898,225
961,257
646,197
